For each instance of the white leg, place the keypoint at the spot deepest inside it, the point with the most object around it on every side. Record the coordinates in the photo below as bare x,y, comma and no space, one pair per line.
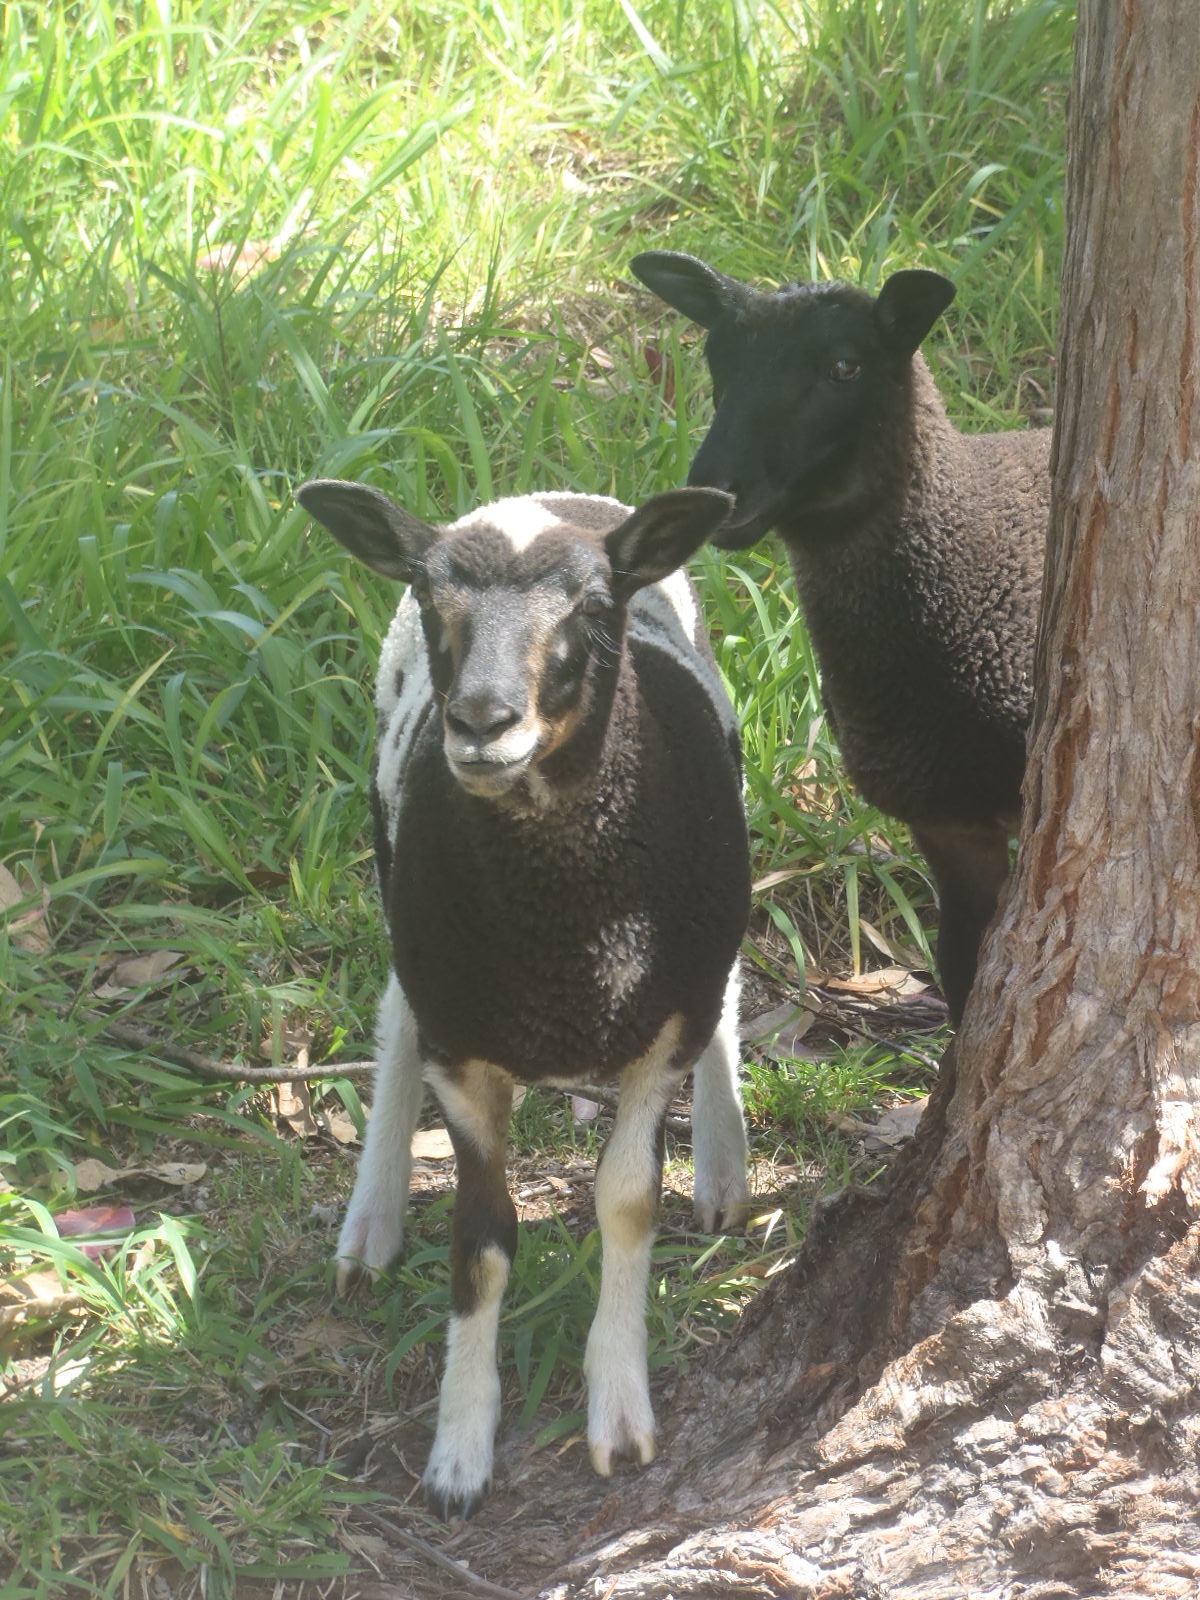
628,1181
721,1194
460,1465
374,1227
476,1101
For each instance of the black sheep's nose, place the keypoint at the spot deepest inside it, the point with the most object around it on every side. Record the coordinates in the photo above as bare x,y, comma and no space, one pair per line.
481,715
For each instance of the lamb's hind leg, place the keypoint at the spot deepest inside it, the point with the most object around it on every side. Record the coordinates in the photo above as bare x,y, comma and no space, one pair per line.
373,1231
970,864
628,1182
720,1194
476,1102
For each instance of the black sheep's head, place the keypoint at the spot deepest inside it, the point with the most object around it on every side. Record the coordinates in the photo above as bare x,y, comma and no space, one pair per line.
806,382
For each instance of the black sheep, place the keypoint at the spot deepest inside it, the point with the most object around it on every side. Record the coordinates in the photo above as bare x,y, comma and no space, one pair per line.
917,552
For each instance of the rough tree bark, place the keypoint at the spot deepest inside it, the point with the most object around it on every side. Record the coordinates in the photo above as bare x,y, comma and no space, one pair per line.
986,1380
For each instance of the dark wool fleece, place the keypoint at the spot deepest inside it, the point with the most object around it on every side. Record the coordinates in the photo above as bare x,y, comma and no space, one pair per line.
923,612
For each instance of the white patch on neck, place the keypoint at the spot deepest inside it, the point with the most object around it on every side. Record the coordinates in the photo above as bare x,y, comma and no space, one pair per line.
682,597
520,520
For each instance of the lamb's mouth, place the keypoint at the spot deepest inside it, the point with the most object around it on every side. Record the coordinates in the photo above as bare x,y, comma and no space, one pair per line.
483,772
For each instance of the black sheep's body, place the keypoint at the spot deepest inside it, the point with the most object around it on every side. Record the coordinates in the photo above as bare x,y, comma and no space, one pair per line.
917,553
923,620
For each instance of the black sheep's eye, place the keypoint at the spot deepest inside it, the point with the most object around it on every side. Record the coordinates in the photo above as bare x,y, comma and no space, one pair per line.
844,370
595,605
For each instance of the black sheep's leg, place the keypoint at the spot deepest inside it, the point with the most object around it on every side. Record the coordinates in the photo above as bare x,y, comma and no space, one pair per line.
970,864
476,1102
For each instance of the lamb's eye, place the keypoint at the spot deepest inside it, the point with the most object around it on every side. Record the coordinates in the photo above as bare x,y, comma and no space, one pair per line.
844,370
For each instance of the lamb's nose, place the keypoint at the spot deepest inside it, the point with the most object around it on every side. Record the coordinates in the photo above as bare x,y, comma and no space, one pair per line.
481,716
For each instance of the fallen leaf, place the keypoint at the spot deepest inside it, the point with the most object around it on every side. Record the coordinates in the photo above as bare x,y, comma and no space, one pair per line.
28,931
79,1223
91,1175
35,1294
893,1128
339,1125
906,956
432,1144
662,371
175,1172
883,980
583,1109
293,1103
134,972
779,1031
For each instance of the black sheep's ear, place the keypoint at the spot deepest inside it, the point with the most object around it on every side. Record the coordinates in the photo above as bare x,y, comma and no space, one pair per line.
686,283
660,536
908,306
389,539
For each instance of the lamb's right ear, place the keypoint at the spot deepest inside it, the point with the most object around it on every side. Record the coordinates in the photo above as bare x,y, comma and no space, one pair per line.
686,283
661,534
371,526
908,306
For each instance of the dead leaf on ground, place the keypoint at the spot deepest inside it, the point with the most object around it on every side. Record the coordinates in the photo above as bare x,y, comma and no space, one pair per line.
432,1144
34,1294
28,931
79,1222
662,371
293,1102
137,972
893,1128
883,980
779,1031
91,1174
906,956
339,1125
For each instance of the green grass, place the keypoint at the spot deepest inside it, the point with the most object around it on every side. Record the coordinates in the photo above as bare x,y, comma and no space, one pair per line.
251,243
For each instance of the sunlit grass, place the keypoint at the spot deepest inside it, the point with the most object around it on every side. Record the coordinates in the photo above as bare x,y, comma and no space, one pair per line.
250,243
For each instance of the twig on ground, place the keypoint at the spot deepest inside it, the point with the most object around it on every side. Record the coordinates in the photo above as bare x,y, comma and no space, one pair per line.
432,1554
221,1071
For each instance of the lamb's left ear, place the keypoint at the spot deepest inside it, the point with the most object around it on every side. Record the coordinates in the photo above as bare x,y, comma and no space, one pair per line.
372,527
662,534
908,306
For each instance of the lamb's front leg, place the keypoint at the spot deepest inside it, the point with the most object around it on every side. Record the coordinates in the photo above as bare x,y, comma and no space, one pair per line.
373,1231
628,1184
476,1102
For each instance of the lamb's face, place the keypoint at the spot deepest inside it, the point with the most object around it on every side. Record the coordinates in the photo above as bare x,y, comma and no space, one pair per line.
523,604
521,626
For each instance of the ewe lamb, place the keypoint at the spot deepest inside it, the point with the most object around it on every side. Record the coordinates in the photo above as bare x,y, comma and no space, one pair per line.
562,853
917,552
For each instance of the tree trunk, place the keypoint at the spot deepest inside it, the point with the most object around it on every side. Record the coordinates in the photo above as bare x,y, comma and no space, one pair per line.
986,1380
